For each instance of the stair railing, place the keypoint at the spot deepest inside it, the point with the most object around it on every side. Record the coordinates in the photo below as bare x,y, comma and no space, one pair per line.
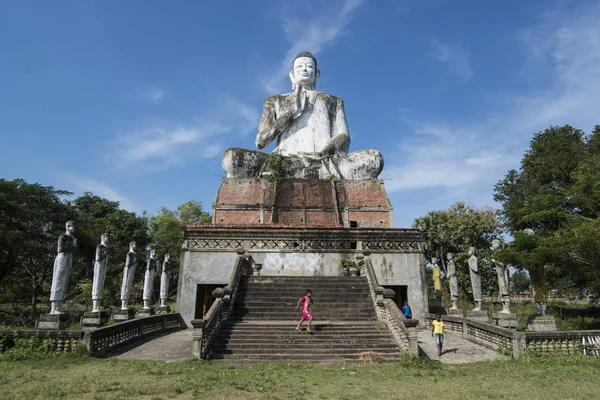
206,330
404,330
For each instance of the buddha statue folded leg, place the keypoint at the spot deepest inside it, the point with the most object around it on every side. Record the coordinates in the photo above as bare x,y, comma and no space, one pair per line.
362,164
243,163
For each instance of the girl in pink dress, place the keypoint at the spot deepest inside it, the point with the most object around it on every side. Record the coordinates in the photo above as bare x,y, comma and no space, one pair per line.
306,301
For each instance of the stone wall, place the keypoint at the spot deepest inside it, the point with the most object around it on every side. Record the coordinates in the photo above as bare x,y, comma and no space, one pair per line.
209,254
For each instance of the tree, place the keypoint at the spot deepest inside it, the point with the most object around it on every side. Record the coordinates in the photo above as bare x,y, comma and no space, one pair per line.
555,194
167,228
97,215
455,230
519,282
32,216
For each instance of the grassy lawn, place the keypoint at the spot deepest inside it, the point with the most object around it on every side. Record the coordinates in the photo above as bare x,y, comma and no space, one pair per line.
81,377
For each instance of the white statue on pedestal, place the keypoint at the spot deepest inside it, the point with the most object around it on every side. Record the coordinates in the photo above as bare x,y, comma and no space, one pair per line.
451,267
128,275
311,133
62,268
149,279
100,263
164,282
503,278
475,278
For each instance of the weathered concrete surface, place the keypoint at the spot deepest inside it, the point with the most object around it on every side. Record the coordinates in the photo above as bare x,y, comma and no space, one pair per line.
456,350
176,346
407,269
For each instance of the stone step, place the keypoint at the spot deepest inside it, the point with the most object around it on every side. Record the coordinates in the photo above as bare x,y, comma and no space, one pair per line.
303,348
353,326
386,358
308,341
295,293
273,278
322,314
324,307
291,296
293,301
302,286
283,328
301,355
305,337
249,318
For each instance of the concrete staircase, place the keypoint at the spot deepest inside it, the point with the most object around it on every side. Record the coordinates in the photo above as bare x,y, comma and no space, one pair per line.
345,325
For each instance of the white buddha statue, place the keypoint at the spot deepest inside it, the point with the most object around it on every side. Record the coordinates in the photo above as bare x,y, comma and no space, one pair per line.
310,132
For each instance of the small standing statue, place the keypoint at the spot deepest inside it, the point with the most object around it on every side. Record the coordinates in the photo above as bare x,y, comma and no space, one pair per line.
437,281
128,275
149,279
475,278
99,272
164,281
503,278
453,280
62,267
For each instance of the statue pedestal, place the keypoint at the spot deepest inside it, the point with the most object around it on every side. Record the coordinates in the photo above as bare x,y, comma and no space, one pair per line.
94,319
144,312
541,323
52,321
162,310
455,312
123,315
505,320
478,315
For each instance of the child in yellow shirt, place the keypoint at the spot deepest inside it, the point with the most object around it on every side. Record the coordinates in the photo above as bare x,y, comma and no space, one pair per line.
438,332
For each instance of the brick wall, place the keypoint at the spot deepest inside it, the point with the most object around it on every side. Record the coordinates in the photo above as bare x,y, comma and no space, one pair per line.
303,202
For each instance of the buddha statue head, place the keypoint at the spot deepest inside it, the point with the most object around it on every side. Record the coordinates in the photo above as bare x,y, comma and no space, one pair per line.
104,239
304,71
70,227
496,244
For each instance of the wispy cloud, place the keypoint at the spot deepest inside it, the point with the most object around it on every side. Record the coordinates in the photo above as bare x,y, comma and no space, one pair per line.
312,33
454,56
463,160
161,144
152,95
82,183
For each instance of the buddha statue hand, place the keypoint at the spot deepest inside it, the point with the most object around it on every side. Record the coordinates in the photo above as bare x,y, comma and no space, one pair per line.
336,145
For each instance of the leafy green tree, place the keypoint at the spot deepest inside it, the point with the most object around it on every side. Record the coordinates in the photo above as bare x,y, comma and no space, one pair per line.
97,215
555,195
454,231
167,228
33,217
519,282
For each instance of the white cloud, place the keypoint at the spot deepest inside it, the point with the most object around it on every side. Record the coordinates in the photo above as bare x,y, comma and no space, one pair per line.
82,183
159,146
162,144
313,33
153,95
463,161
453,55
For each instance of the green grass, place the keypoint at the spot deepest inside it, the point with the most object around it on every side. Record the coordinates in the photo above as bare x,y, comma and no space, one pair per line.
80,377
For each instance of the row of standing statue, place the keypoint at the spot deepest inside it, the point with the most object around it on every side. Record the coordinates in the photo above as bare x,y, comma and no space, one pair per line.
475,275
64,261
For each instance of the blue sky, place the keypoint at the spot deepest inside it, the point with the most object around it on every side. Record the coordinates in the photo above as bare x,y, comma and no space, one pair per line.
136,101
